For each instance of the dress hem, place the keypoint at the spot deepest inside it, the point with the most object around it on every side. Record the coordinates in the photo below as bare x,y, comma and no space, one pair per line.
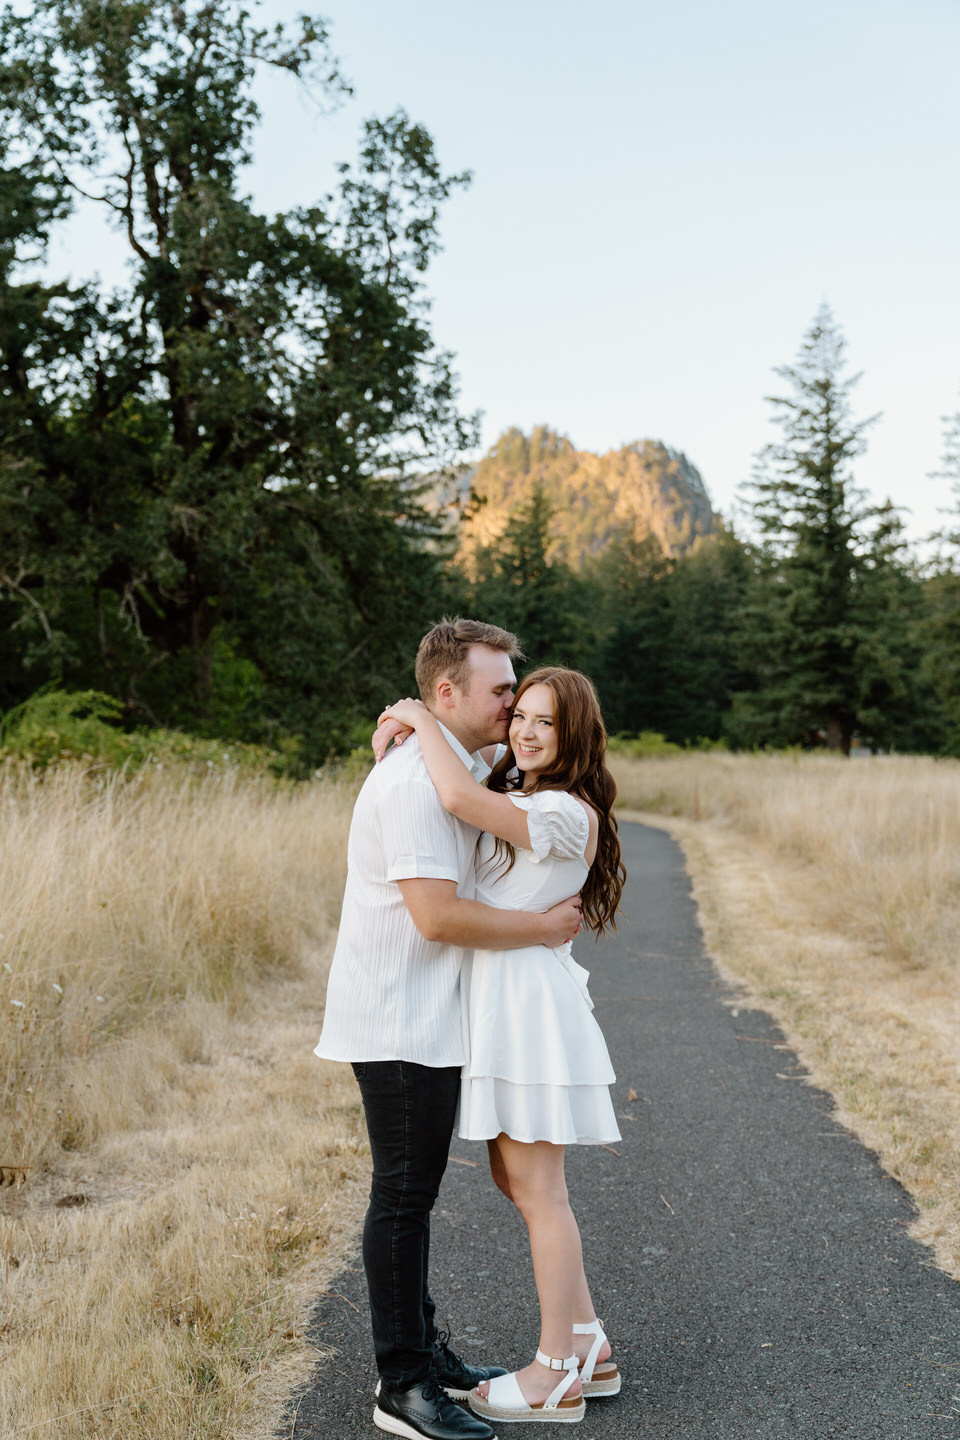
548,1139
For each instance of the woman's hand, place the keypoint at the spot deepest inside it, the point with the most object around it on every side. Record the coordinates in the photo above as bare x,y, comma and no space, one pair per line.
391,727
563,921
389,730
407,712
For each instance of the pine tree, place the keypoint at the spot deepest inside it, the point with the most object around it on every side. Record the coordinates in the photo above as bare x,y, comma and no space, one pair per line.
893,710
940,625
520,586
632,668
703,672
808,621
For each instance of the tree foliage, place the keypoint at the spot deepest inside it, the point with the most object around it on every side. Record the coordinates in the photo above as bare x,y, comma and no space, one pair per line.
808,623
207,474
518,584
938,626
668,659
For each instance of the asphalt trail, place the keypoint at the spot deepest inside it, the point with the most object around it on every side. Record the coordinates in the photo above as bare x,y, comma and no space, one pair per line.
749,1257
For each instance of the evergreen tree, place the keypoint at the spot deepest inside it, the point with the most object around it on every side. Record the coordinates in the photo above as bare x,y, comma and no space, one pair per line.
520,586
632,669
808,625
940,663
667,660
891,708
940,624
204,475
950,471
705,593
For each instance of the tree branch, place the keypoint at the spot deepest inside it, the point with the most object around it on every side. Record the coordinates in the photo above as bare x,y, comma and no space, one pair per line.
18,589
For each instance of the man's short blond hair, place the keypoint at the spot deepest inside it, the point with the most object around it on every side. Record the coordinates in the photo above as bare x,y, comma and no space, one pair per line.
444,652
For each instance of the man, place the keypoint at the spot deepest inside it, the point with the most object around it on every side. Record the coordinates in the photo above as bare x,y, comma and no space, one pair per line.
393,1010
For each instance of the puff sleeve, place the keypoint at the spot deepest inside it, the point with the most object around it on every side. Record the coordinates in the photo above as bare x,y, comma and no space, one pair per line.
557,822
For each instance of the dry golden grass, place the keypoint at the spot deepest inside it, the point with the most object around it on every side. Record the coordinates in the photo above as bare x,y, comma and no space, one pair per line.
831,890
164,952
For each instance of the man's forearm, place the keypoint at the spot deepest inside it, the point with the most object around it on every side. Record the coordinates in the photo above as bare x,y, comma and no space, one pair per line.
474,926
441,915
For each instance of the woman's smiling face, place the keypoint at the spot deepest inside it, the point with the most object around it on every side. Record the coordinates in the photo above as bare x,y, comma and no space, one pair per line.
533,735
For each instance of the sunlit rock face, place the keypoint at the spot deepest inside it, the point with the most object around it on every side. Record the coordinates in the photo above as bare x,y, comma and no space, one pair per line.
644,488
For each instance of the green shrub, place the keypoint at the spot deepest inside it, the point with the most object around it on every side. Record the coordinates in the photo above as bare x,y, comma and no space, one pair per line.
55,726
58,727
651,745
641,747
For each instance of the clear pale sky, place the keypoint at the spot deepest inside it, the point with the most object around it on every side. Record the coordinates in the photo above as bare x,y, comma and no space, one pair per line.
663,196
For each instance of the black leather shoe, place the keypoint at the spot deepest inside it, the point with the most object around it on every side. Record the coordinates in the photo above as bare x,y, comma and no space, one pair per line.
457,1378
424,1412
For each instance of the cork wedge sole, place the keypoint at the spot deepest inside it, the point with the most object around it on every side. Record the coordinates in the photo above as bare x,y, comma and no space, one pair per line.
606,1384
568,1412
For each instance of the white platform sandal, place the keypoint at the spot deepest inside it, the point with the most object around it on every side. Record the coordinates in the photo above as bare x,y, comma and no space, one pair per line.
506,1402
607,1382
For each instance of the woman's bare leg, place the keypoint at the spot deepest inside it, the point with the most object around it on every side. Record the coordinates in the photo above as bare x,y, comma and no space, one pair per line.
532,1176
583,1310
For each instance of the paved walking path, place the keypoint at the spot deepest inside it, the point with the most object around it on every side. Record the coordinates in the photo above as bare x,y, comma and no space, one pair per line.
749,1257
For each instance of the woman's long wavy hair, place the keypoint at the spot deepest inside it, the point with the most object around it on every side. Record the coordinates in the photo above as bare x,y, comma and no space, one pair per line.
580,769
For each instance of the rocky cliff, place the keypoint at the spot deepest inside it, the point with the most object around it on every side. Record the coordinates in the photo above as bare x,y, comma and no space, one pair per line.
644,487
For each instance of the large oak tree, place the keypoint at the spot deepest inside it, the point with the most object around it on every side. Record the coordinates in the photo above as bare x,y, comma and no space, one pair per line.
204,469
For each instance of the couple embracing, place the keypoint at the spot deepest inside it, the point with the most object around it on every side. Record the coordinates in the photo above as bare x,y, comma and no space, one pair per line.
478,847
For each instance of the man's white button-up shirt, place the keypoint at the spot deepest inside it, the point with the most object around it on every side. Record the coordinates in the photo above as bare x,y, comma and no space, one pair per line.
392,995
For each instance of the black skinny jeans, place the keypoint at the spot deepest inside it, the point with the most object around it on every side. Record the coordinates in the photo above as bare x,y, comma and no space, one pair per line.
409,1111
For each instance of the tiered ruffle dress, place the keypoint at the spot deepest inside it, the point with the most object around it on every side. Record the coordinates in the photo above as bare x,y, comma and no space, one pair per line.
537,1064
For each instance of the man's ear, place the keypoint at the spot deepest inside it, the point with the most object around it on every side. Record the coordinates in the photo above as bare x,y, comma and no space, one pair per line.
446,694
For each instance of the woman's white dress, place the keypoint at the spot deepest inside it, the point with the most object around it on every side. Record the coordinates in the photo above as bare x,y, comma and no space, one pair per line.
537,1064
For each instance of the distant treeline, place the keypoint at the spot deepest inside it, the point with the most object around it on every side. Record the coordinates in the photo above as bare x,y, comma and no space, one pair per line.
821,630
211,503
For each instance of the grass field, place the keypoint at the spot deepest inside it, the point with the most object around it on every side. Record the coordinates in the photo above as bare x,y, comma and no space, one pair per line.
172,1152
182,1176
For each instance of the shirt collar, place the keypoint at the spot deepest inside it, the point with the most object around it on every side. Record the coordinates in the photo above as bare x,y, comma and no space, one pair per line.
475,763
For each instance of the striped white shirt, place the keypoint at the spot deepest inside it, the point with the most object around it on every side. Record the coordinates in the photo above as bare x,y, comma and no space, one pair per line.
392,995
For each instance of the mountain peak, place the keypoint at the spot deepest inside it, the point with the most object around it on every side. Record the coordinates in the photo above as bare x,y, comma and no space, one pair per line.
643,488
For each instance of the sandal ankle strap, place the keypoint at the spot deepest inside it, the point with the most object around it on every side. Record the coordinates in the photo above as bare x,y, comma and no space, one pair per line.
594,1328
552,1363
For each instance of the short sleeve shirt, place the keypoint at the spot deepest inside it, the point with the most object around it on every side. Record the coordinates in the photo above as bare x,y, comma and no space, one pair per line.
392,995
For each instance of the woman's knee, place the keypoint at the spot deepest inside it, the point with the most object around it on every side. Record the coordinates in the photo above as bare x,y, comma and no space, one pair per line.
536,1194
532,1175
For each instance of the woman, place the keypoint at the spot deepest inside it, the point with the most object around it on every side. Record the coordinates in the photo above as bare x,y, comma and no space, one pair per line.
538,1071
